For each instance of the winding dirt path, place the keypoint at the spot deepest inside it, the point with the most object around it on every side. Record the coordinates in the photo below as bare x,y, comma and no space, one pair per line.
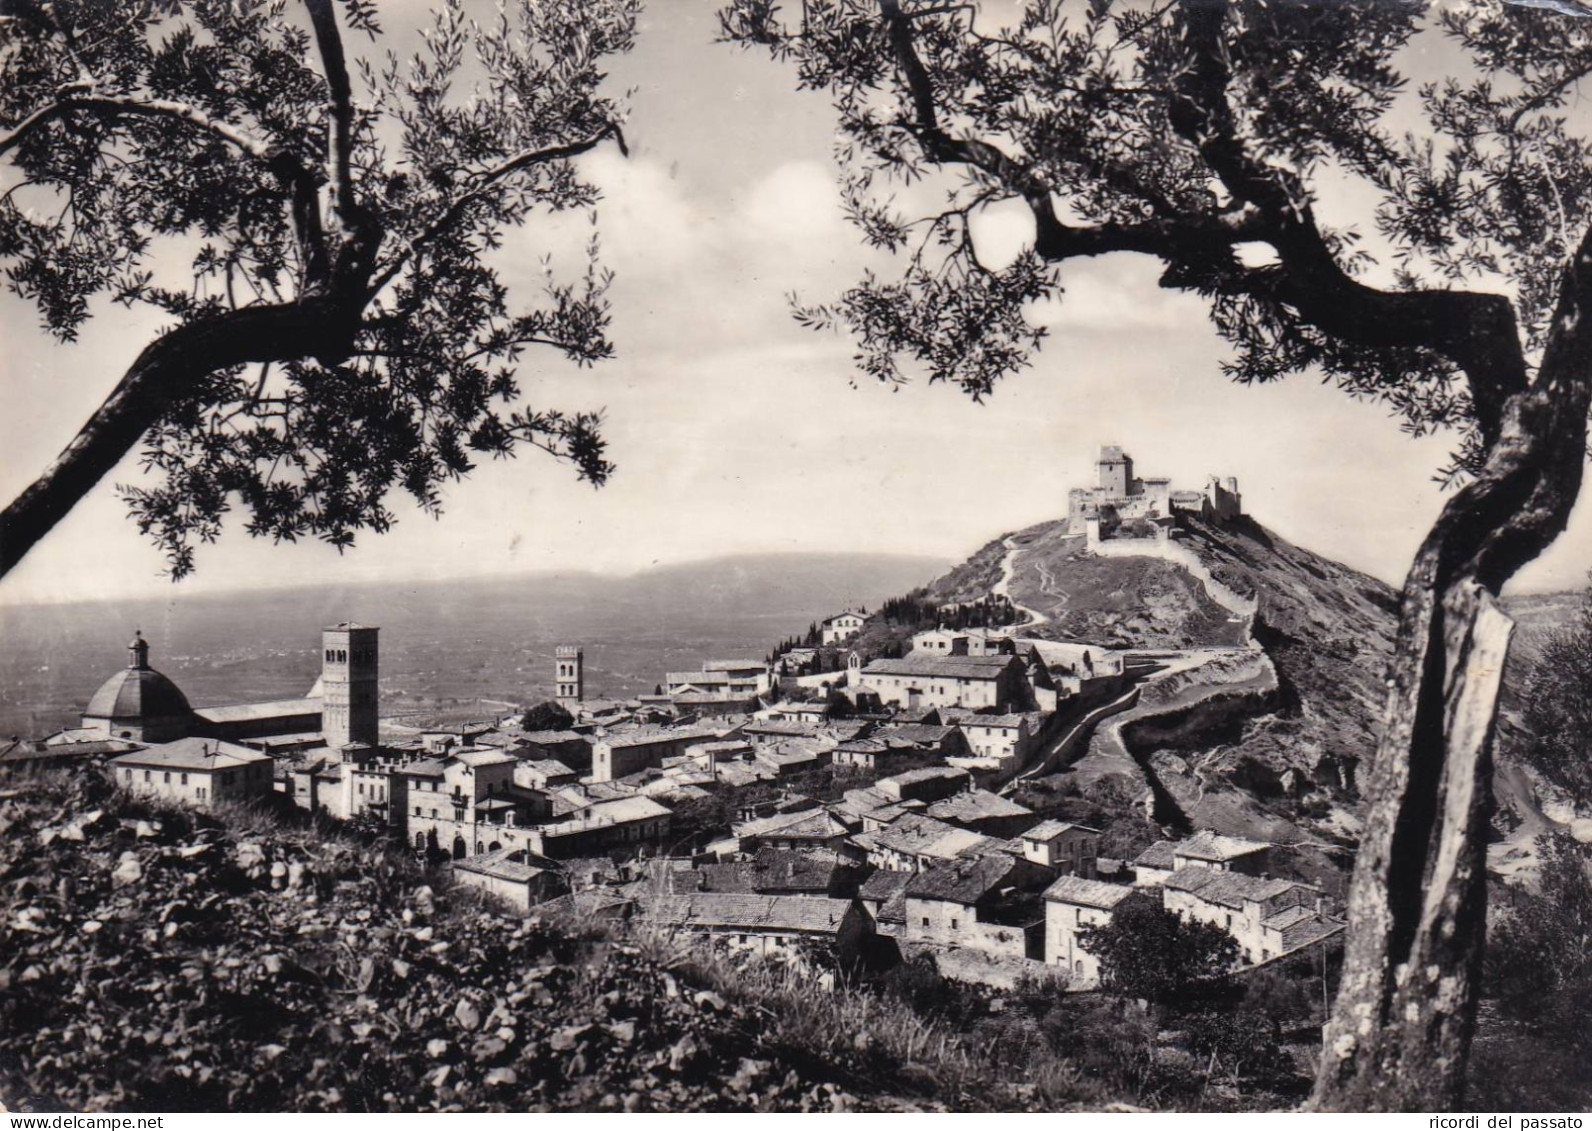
1003,587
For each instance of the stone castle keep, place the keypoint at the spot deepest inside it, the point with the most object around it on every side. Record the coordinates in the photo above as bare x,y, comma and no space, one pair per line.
1121,503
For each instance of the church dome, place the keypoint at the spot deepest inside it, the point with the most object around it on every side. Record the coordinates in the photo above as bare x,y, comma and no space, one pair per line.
134,694
137,695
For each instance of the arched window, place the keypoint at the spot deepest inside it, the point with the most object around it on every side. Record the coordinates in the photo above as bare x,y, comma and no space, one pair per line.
460,849
494,846
420,840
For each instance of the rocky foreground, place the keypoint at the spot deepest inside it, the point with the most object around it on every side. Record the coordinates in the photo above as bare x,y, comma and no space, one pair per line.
152,959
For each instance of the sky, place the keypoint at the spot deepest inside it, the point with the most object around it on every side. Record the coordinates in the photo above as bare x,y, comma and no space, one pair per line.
736,431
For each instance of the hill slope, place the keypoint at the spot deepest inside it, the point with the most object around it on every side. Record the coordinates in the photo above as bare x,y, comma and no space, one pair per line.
155,959
1261,730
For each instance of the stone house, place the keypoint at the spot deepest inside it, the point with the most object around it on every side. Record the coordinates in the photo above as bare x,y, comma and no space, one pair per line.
917,681
804,829
544,774
915,842
1071,849
468,803
622,753
941,641
513,875
1258,913
984,812
1154,865
1012,739
984,903
927,784
1204,849
566,746
1073,903
195,771
924,738
771,872
628,823
883,896
766,924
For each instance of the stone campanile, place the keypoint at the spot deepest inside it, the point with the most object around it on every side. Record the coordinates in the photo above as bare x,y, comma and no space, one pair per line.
569,675
349,704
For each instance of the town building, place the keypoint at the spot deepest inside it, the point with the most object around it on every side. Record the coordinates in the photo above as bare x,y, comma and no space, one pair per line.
1204,849
766,924
771,871
918,681
1008,740
813,829
544,773
984,812
842,626
974,641
1073,903
628,823
1073,850
1154,865
513,875
926,784
195,771
468,803
22,755
914,842
619,754
982,903
883,896
1263,915
771,732
566,746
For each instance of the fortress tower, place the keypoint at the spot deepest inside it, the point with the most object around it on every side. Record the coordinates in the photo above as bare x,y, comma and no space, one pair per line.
1116,472
569,675
349,703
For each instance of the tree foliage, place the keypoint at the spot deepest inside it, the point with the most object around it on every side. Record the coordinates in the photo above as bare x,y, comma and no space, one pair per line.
547,715
1558,706
1195,132
1148,952
1535,1045
322,234
1540,959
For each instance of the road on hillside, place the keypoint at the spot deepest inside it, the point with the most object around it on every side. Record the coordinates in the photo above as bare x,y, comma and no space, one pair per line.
1003,587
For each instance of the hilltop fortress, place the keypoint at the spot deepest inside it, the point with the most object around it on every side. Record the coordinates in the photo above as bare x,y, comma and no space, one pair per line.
1123,505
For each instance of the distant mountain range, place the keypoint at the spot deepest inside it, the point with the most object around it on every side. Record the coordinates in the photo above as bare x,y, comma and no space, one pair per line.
489,638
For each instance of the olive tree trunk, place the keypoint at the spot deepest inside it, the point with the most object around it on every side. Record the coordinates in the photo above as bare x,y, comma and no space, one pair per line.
1401,1030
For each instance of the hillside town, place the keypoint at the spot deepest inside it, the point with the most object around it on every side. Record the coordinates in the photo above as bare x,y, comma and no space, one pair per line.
864,810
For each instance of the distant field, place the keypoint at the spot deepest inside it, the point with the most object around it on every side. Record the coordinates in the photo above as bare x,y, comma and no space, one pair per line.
444,647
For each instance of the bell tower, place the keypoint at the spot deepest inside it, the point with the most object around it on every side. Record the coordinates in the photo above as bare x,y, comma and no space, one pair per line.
569,675
349,703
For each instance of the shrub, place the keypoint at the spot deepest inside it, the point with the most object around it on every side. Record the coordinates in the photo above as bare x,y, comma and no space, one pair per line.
1148,952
